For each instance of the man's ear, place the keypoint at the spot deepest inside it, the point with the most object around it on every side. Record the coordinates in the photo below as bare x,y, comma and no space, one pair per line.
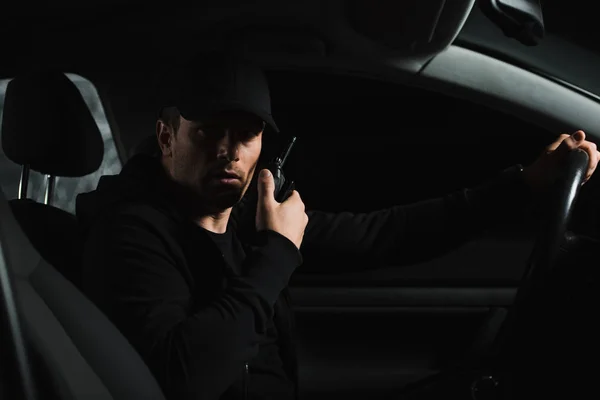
164,134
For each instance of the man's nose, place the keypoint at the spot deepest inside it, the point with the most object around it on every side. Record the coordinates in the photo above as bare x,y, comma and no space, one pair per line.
229,146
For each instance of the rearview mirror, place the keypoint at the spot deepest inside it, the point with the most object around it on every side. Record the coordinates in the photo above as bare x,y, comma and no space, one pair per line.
518,19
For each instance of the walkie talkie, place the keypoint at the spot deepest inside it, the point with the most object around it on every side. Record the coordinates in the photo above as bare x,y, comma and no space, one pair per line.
283,187
246,210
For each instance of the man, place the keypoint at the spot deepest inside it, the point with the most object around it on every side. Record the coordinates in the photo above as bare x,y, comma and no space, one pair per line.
208,313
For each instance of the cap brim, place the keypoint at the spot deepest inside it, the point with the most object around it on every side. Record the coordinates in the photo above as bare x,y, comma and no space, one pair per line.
198,112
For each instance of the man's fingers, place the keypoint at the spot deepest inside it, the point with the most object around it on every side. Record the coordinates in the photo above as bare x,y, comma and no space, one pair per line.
592,152
295,195
568,142
266,187
577,141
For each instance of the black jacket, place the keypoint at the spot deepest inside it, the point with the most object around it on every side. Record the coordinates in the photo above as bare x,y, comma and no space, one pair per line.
163,282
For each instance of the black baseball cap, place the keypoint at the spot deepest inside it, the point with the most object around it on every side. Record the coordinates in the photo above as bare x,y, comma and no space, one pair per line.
213,82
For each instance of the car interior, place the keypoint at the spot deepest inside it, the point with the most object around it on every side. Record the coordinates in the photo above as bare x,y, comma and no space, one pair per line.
392,103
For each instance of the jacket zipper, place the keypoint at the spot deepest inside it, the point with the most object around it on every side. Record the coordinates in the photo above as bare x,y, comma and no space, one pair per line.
246,376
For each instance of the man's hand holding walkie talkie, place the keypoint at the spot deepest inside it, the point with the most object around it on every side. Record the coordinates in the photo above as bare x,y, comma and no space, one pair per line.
280,207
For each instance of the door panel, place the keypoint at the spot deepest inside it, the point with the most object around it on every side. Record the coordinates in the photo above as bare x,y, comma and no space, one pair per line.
376,351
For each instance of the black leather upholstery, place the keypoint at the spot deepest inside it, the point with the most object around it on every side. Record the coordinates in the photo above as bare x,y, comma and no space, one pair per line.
48,126
85,356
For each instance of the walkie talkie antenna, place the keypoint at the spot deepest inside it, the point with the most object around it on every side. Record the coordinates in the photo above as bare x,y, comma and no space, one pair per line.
286,152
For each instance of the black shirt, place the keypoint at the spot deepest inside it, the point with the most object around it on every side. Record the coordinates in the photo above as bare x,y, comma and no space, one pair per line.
267,378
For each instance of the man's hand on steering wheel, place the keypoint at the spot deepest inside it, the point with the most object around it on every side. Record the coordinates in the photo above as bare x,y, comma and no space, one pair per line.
547,167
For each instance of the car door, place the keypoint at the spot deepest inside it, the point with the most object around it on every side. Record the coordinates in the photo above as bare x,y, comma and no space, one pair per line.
365,145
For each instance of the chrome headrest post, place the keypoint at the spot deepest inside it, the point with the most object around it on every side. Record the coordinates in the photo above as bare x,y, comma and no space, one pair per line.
23,182
50,182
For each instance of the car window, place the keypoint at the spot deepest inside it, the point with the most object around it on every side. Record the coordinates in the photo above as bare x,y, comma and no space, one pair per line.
365,144
66,189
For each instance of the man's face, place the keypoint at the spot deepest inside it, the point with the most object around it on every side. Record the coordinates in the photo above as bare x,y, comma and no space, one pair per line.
214,158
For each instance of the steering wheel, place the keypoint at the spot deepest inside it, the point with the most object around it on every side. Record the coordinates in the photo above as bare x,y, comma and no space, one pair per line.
561,200
558,206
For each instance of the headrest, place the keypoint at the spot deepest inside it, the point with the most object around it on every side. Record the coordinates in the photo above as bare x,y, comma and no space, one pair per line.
47,125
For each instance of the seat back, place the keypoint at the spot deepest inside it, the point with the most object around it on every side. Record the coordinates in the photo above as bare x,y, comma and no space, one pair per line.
47,127
85,356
